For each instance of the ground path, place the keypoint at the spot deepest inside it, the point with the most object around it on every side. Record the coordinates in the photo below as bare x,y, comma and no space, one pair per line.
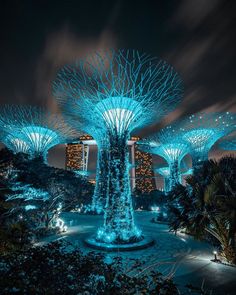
187,259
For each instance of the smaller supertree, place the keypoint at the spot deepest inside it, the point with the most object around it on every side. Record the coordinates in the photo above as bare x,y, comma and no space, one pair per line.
165,172
203,130
38,129
168,144
14,142
228,145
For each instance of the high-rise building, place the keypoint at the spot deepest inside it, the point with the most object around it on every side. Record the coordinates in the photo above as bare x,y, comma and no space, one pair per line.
77,155
141,172
144,174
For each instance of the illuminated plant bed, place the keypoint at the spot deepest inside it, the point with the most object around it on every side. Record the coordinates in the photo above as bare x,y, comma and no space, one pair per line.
145,242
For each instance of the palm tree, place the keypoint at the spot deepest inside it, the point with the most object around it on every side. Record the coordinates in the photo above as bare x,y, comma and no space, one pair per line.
208,204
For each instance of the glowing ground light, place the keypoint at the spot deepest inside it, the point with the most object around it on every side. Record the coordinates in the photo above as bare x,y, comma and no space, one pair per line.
61,225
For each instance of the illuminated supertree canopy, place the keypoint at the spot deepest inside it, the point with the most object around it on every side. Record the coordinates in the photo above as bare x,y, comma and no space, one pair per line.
168,144
203,130
228,145
33,129
118,91
165,172
14,142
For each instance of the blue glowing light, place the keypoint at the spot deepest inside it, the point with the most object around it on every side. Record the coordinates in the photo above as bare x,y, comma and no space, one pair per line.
32,130
203,130
168,144
82,173
117,92
228,145
165,172
16,144
30,207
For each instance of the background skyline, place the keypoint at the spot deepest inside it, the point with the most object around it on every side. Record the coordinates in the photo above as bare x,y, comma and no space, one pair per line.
196,37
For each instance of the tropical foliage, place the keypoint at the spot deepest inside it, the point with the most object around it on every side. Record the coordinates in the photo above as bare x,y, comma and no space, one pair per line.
208,205
60,268
32,195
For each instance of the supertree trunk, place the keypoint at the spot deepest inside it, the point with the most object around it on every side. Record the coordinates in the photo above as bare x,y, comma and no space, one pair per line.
100,191
166,184
118,218
198,159
174,174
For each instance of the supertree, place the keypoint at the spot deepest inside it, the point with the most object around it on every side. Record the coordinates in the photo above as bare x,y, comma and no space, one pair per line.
168,144
119,91
14,142
228,145
165,172
34,128
202,130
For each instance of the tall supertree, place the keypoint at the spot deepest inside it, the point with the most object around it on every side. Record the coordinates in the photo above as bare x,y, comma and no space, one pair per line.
118,91
203,130
228,145
34,128
168,144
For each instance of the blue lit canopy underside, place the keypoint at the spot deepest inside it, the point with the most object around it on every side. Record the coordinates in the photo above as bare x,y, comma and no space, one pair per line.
16,144
40,139
202,139
33,129
203,130
164,171
120,114
171,152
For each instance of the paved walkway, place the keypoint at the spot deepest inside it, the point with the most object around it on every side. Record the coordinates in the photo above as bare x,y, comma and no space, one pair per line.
181,256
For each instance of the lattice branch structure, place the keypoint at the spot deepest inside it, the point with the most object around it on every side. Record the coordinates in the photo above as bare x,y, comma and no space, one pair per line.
13,141
118,91
203,130
228,145
33,130
168,144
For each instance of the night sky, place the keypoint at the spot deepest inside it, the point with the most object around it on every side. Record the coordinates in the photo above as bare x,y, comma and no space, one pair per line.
197,37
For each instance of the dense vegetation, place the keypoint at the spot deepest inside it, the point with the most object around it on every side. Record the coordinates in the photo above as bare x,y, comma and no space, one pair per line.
207,205
55,270
32,196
